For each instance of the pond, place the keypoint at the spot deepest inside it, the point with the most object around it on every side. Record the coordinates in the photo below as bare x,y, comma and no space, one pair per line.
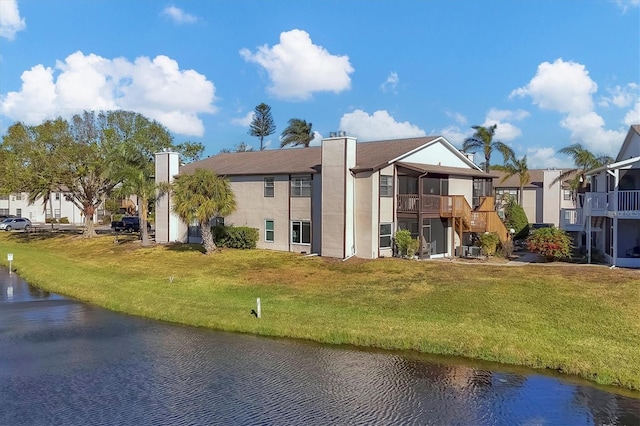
66,362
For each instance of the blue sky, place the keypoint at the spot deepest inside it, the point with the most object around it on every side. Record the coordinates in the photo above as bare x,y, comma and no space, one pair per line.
548,73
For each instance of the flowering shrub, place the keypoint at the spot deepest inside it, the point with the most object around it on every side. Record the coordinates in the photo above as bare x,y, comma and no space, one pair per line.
553,243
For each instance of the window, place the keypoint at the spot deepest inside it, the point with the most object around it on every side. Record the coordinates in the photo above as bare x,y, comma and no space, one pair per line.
217,221
4,212
57,196
19,212
57,213
385,235
301,186
301,232
268,187
386,186
268,230
4,198
566,194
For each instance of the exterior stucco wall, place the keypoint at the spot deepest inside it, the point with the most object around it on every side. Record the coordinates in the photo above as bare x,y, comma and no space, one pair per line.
436,154
551,197
366,211
338,227
253,208
529,205
462,186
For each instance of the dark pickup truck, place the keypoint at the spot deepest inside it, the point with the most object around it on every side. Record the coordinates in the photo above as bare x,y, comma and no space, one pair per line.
128,224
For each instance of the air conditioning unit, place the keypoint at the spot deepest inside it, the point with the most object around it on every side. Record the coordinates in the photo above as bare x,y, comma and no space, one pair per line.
474,251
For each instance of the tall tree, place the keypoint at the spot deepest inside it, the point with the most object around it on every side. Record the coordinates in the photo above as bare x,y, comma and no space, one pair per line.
482,140
134,140
515,167
200,197
32,158
298,132
190,151
262,124
584,161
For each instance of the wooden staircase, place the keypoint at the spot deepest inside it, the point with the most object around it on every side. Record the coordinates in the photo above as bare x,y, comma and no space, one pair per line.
482,219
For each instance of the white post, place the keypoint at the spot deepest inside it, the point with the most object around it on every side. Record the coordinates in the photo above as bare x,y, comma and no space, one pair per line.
259,309
10,259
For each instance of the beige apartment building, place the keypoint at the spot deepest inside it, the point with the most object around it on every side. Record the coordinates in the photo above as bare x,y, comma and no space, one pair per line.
347,198
542,200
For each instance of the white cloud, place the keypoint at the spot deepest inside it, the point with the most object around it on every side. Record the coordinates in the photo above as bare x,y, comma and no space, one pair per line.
10,20
179,16
155,88
459,118
391,83
633,116
627,4
455,135
380,125
562,86
566,87
298,68
505,131
621,96
542,158
244,121
317,139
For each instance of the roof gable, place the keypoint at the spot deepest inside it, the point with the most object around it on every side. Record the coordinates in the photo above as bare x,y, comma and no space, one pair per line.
631,145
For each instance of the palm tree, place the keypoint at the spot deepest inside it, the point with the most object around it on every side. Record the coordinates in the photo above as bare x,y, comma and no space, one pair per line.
199,198
297,133
515,167
482,139
584,161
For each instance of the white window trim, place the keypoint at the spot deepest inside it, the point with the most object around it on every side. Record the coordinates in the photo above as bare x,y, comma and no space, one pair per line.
300,178
301,222
389,177
390,235
273,231
272,187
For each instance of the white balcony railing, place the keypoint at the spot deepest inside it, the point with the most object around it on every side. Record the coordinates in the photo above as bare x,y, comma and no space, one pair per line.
627,203
571,218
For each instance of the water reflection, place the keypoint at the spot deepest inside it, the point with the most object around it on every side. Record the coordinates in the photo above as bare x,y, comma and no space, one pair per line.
63,362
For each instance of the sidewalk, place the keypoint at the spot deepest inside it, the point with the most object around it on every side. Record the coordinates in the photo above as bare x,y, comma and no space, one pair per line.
524,258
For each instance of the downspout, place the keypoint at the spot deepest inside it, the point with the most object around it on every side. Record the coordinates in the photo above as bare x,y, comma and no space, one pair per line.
420,218
614,251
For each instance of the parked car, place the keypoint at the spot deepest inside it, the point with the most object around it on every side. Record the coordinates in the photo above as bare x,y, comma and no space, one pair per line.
11,223
128,224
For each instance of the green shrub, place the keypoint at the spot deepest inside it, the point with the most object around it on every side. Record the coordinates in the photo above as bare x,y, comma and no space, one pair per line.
50,220
414,247
516,218
241,237
402,239
553,243
489,243
64,220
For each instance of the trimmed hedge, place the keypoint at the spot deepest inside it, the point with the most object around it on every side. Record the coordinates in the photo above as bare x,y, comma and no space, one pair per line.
240,237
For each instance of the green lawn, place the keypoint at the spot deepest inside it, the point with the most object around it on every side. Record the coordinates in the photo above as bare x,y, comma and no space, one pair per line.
582,320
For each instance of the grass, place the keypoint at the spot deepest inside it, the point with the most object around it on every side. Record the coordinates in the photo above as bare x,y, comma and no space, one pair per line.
581,320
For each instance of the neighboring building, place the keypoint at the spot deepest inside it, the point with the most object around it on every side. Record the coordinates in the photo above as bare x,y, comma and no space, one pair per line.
18,205
609,215
542,198
347,199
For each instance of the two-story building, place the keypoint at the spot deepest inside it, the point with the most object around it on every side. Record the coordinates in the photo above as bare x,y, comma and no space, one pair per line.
346,199
543,196
609,214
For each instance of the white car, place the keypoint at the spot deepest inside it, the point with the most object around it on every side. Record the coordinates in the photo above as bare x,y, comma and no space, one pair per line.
15,223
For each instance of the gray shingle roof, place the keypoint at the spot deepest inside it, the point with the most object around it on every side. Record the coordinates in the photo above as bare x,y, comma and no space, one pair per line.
369,155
